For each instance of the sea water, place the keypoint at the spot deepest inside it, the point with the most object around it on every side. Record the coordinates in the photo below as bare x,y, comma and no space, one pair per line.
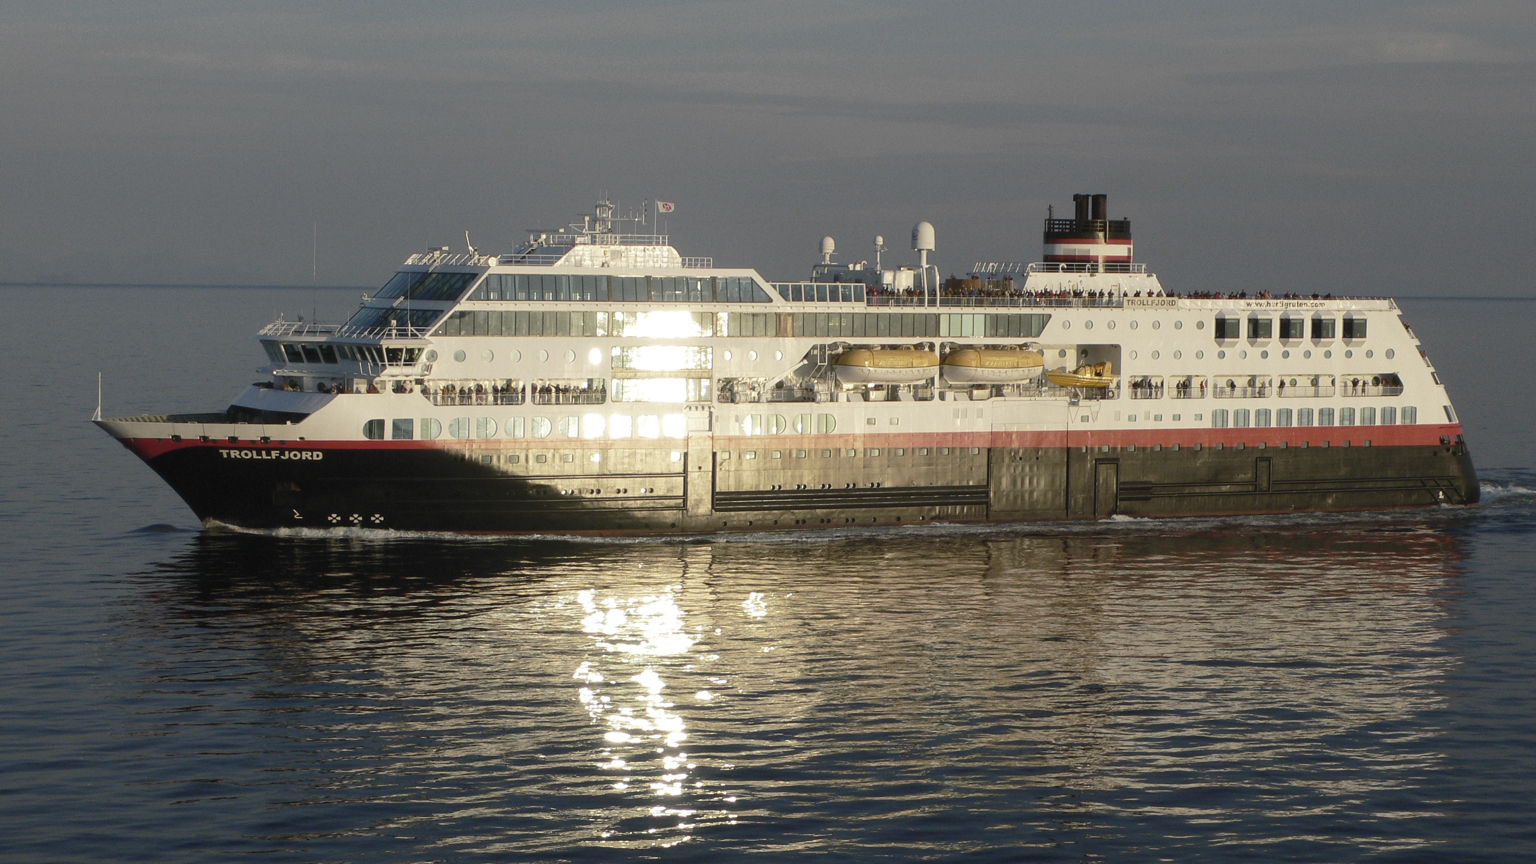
1310,688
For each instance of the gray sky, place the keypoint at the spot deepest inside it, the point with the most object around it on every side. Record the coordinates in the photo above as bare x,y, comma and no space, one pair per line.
1361,147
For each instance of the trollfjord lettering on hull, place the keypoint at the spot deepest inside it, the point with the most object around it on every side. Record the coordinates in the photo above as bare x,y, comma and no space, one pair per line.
307,455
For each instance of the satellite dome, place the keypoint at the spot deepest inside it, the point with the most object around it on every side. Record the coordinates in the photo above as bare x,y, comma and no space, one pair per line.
828,246
922,237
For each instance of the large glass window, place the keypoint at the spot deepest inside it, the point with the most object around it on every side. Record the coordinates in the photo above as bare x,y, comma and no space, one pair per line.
1261,328
402,429
426,286
1354,328
661,389
1293,328
1228,328
1323,328
662,358
664,324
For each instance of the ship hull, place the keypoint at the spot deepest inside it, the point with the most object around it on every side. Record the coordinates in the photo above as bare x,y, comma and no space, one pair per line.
682,487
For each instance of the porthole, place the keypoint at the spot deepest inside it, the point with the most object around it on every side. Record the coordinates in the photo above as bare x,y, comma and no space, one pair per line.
543,356
727,355
778,355
1349,354
1157,325
1178,354
1133,355
570,356
1368,353
1155,355
431,357
459,355
595,356
1061,353
1263,355
1242,355
1307,354
1327,355
1087,325
1200,325
1221,355
1133,323
1110,324
487,355
1199,355
1285,355
1389,353
751,355
514,355
1066,325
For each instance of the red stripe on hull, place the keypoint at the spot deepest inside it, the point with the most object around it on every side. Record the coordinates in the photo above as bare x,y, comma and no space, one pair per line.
1269,436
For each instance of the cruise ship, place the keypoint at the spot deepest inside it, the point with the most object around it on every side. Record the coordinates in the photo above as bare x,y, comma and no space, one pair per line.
597,381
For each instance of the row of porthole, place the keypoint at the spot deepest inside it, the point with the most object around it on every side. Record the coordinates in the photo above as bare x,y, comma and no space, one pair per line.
1156,325
1263,355
594,357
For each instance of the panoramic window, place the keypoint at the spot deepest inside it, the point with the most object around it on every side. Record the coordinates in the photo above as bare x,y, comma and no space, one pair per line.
1228,328
1354,328
1260,328
1323,328
1293,328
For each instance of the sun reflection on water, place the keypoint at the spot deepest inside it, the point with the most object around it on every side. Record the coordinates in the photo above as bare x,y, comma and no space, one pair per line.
644,735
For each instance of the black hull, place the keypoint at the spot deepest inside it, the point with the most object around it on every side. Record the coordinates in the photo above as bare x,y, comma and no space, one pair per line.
448,490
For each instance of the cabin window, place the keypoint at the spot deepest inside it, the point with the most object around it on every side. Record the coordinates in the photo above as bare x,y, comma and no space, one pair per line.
485,427
402,429
1323,328
1346,416
825,423
1228,328
1261,417
1354,328
1325,416
1261,328
1293,328
1219,418
1240,418
373,430
1368,416
1410,415
539,427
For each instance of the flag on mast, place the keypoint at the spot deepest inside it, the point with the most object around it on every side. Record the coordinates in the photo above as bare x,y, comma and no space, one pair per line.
665,206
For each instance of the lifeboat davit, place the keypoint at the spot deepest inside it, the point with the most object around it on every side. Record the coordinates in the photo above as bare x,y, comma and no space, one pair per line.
885,365
992,365
1094,375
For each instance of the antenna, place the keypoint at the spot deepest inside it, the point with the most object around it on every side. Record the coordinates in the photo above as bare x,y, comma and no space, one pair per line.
472,250
879,247
97,415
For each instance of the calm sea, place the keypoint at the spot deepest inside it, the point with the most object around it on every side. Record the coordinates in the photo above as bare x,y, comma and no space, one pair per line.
1336,688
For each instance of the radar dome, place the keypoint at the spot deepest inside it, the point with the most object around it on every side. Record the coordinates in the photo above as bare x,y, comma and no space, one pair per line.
828,246
922,237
